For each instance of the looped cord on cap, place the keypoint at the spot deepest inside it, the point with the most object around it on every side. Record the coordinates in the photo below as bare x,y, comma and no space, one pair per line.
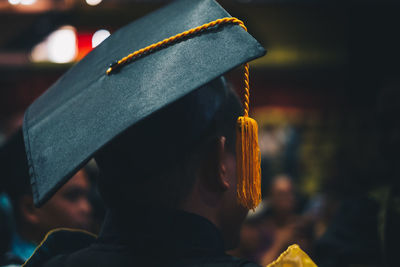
175,38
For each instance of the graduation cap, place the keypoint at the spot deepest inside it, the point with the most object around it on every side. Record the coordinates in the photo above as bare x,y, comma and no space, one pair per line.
155,61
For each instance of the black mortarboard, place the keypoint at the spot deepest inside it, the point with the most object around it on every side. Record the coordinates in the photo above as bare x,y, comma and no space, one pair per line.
87,108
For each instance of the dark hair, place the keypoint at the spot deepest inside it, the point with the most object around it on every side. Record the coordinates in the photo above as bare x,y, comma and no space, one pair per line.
156,161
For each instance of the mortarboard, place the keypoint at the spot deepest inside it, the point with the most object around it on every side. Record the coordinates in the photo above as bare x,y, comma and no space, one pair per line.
94,102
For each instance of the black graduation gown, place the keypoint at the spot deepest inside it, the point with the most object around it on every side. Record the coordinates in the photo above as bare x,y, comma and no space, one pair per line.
167,239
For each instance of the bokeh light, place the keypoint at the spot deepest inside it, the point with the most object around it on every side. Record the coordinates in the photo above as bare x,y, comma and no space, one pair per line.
99,36
93,2
59,47
14,2
28,2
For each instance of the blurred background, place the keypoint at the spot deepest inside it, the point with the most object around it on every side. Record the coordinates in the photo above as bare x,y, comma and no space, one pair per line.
326,97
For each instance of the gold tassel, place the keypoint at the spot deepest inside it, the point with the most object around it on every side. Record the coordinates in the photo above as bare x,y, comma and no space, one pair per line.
248,158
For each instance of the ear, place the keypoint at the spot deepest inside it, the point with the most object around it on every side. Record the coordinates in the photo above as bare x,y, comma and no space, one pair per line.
223,177
28,210
214,175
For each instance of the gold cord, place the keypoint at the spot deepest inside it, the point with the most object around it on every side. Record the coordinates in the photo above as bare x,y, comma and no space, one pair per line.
173,39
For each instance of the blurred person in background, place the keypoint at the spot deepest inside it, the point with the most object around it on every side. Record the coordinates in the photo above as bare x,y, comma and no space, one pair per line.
279,226
68,208
274,225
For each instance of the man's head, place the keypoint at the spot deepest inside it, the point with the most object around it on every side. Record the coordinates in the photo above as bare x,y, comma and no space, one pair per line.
182,157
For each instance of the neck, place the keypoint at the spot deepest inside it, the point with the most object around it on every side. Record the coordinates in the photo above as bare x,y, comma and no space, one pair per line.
171,230
209,214
207,207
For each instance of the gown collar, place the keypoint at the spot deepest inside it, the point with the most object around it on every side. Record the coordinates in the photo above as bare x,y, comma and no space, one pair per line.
169,230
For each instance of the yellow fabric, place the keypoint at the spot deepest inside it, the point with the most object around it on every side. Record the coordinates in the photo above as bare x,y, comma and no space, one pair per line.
293,257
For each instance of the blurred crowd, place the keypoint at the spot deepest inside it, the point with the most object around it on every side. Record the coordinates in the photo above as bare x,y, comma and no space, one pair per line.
352,219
